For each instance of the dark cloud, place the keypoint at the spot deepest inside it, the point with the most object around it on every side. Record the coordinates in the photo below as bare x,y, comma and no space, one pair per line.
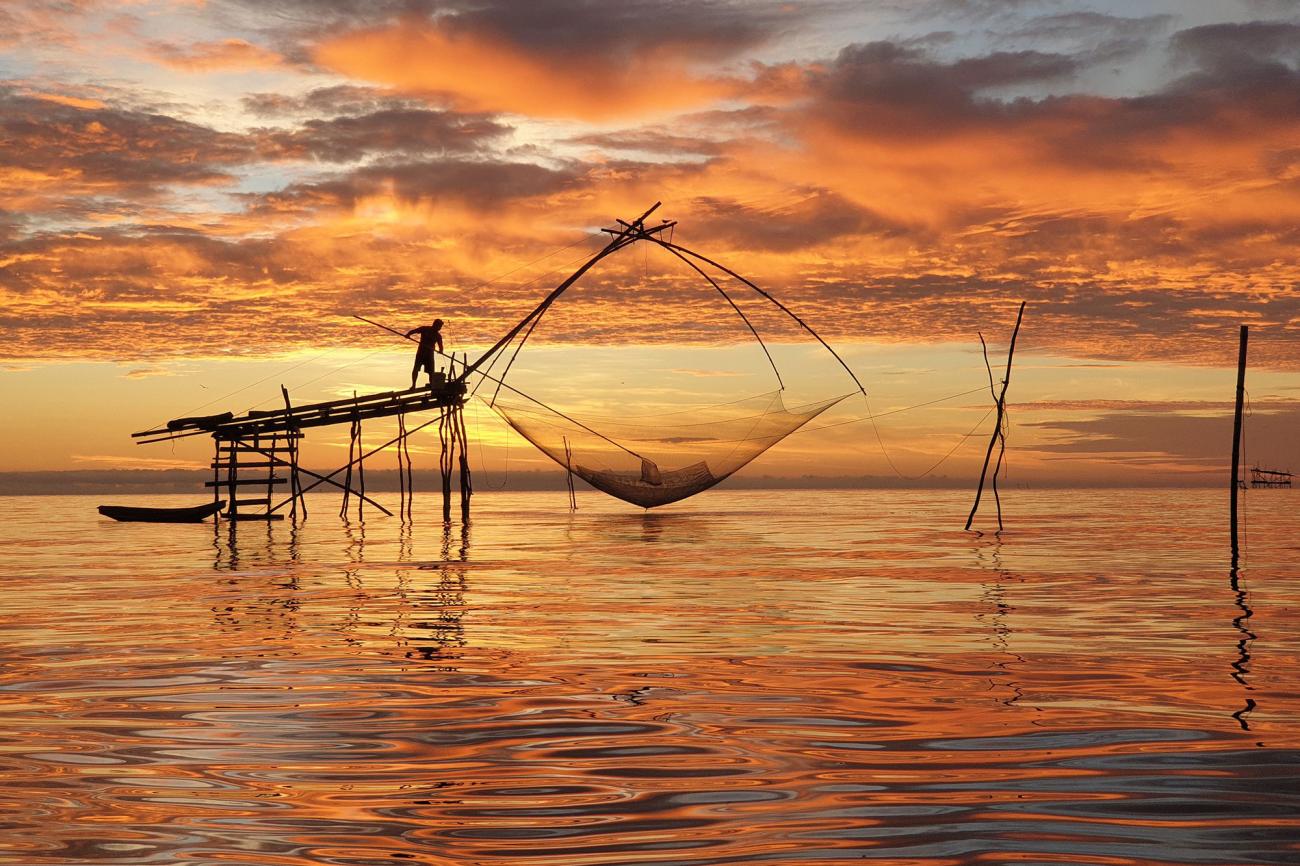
661,142
891,91
336,100
887,81
699,29
811,218
1237,47
395,132
702,29
480,184
118,148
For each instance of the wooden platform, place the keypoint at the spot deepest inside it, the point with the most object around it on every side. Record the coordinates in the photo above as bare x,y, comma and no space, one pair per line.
261,422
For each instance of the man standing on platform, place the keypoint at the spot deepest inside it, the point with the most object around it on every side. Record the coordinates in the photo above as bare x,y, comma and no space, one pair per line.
430,341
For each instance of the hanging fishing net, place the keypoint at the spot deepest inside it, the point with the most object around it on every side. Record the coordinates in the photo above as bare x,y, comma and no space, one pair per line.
657,459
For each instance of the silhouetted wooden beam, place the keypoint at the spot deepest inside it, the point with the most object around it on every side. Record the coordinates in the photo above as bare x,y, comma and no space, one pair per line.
622,239
329,479
997,427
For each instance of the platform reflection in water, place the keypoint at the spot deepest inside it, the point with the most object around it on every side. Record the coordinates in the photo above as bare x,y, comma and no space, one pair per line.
749,677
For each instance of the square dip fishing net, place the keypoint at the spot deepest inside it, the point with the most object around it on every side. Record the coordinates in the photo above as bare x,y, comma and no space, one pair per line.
653,460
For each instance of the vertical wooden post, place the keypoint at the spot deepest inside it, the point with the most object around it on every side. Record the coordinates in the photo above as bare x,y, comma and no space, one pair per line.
466,483
361,473
1236,439
232,471
405,445
270,472
997,428
401,468
447,448
216,475
568,466
347,478
295,483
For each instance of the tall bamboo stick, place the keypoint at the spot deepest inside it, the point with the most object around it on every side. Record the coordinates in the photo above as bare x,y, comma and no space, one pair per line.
997,427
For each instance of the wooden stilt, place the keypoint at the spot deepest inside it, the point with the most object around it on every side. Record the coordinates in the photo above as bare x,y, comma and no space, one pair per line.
352,459
466,483
232,510
295,481
405,447
401,469
568,465
1236,441
997,429
447,447
216,476
361,474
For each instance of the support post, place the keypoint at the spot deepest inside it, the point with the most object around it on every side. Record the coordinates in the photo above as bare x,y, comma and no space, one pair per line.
295,482
466,483
997,427
361,474
347,479
568,466
401,469
1236,440
447,443
216,476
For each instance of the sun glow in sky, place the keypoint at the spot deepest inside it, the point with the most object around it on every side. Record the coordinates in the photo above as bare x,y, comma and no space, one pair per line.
195,196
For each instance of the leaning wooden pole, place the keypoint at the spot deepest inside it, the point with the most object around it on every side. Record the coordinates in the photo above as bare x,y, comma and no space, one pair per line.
1236,440
997,427
466,481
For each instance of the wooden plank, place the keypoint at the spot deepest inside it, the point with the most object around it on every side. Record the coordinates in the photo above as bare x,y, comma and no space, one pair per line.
244,482
249,449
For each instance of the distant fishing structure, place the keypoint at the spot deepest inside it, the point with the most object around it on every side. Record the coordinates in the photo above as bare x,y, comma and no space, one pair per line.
649,462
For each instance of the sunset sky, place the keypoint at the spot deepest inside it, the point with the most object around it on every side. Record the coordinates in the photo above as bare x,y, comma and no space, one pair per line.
196,197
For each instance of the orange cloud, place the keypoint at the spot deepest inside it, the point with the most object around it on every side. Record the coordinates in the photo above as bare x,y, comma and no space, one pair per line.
223,54
484,73
71,101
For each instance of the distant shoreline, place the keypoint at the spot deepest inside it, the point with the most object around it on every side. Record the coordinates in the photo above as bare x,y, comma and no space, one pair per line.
145,481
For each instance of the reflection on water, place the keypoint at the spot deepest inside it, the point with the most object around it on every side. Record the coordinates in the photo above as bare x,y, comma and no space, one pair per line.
1241,665
752,677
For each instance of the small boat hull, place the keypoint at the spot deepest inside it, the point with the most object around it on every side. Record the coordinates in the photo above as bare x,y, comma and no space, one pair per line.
136,514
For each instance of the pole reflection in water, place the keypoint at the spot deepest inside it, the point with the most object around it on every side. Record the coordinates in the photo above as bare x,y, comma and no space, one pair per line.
1241,665
997,617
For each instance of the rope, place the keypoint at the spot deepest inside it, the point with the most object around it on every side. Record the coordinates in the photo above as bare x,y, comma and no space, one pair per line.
249,385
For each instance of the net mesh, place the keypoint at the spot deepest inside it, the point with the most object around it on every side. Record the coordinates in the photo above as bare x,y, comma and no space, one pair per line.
657,459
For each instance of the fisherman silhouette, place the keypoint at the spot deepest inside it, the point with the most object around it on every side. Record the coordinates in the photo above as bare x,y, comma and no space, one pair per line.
430,340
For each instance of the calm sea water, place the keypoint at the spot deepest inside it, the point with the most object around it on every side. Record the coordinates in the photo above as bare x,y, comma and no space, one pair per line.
750,677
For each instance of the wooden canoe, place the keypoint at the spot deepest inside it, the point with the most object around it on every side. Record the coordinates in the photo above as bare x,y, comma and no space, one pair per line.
137,514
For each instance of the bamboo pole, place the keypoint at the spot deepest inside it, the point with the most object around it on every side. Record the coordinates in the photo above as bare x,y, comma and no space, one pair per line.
347,479
1236,439
329,479
469,475
401,470
361,475
444,461
405,446
568,466
997,427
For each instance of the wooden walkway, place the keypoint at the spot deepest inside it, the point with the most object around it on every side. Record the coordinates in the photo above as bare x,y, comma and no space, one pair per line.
294,418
